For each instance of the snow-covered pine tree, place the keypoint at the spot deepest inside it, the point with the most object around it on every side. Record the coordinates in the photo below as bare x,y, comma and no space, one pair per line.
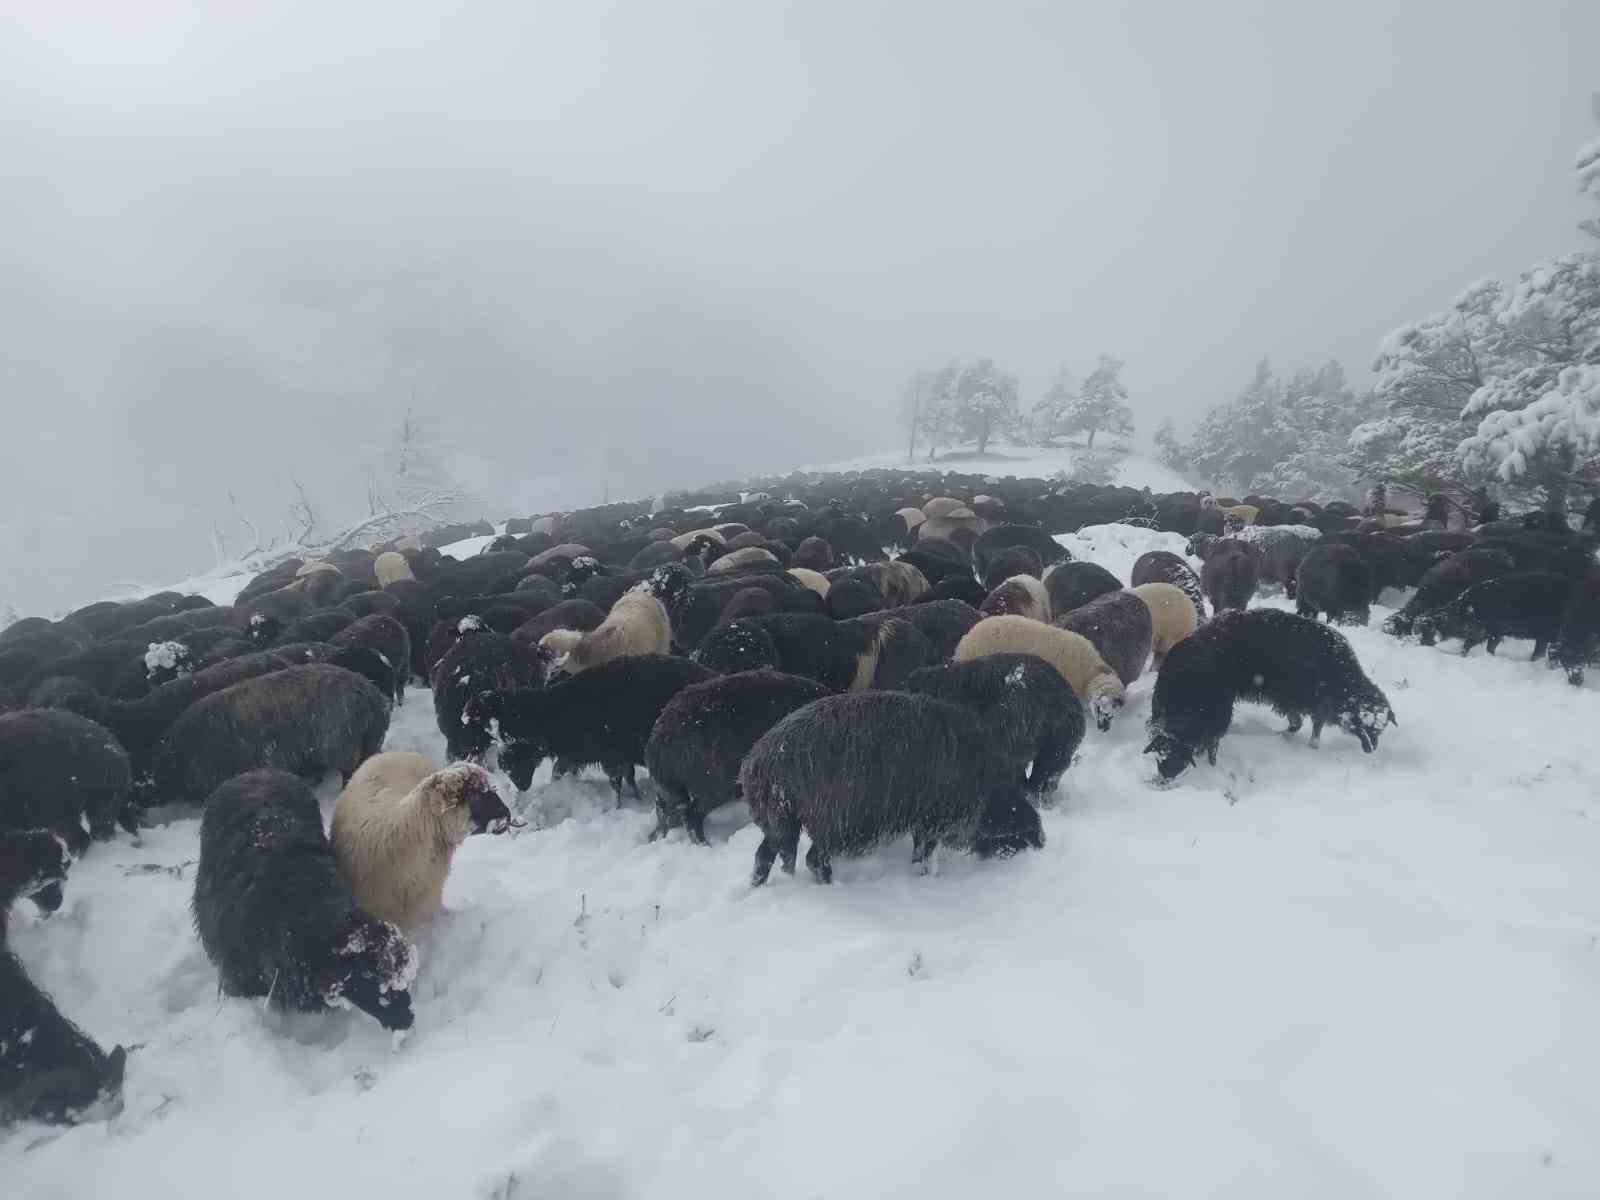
1168,448
1427,372
1101,404
1049,415
969,402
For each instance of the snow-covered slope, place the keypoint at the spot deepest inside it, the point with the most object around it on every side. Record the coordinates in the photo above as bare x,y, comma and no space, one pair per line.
1129,470
1299,973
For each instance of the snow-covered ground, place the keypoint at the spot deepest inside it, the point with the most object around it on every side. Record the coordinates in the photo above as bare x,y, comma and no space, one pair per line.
1130,470
1299,973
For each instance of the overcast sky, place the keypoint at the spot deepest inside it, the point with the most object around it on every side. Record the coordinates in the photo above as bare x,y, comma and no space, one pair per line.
653,242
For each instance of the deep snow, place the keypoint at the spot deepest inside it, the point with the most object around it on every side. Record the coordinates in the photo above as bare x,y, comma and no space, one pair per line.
1299,973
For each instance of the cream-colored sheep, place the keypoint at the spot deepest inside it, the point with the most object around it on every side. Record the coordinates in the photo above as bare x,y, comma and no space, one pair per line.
313,568
941,506
1072,654
391,567
740,560
396,827
1021,596
1171,614
637,624
815,580
1245,512
957,525
912,518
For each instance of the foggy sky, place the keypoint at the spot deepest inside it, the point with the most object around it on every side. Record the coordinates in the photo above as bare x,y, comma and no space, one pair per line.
620,246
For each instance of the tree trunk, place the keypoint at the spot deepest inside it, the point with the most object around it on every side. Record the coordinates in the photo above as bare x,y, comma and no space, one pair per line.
1092,432
983,440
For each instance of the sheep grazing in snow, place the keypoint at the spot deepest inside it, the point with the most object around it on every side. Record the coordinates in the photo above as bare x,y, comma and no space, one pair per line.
480,661
50,1070
391,567
61,772
1071,654
1229,573
1020,596
900,583
858,770
278,919
387,638
1172,617
749,559
1529,604
1073,584
1120,627
33,866
637,624
396,827
1029,712
1297,665
600,717
856,654
1447,579
702,736
309,720
1164,567
1335,580
996,540
1280,549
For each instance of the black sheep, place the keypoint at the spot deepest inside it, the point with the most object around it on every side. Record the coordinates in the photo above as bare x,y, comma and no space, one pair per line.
695,607
139,725
747,602
1280,552
703,734
993,541
33,866
278,919
943,622
581,615
1297,665
1335,580
50,1070
1009,824
1011,561
1163,566
853,598
1074,584
308,720
386,637
1529,604
814,553
480,661
59,770
1119,626
1578,643
855,771
1446,580
366,603
1228,576
1030,714
939,559
961,588
600,716
860,653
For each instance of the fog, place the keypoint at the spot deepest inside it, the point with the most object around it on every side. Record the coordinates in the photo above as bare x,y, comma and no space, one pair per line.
605,248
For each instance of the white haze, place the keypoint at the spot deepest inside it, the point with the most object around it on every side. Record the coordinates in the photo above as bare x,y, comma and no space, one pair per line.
606,248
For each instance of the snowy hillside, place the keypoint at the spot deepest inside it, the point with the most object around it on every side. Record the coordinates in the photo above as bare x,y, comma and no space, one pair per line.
1128,470
1299,973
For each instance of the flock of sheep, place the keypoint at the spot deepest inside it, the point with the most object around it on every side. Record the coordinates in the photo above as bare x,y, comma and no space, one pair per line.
870,656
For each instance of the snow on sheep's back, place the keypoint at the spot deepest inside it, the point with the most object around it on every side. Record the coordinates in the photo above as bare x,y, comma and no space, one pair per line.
1298,973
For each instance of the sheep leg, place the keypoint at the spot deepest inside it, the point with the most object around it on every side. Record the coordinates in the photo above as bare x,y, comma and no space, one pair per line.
1492,644
1540,645
1049,765
1316,732
633,782
766,855
817,860
1295,721
789,849
695,822
923,845
616,775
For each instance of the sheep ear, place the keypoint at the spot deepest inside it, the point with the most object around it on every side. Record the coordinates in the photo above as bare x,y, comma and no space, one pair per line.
1393,720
